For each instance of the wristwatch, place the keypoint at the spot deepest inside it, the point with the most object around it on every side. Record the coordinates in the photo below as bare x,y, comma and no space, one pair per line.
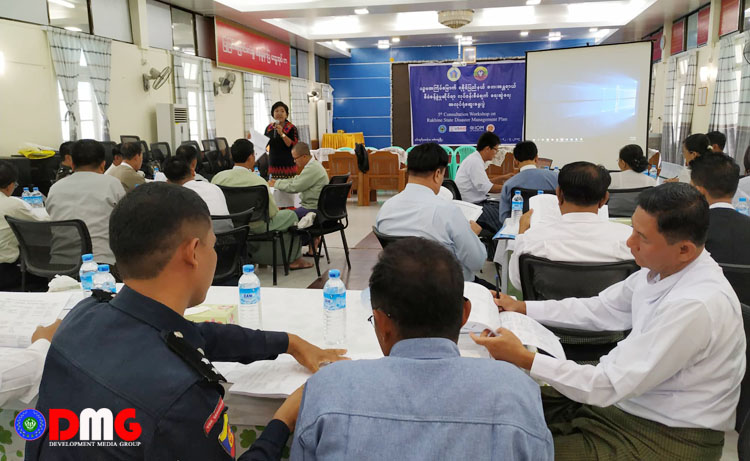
283,135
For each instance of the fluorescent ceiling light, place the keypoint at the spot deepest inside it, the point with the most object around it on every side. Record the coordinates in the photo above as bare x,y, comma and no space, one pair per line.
506,16
362,11
555,33
533,2
395,39
458,36
73,29
554,38
524,33
258,5
62,3
416,20
384,44
467,40
594,30
341,24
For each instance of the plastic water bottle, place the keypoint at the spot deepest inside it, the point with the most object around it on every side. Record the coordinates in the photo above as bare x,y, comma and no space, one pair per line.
742,206
37,201
334,309
156,170
652,173
256,170
516,206
557,169
249,308
546,167
26,196
103,280
86,274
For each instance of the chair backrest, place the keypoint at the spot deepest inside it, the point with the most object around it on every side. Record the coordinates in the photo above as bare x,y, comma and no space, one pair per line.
343,163
654,160
384,170
451,186
542,279
386,239
23,167
332,202
623,202
217,161
223,145
238,219
51,247
109,147
228,248
241,199
339,179
129,138
739,277
462,152
527,194
160,151
209,144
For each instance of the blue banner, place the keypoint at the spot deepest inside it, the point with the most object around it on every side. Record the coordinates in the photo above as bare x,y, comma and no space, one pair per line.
454,105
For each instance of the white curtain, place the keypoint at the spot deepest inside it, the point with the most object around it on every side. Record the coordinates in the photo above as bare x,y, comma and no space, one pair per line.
267,81
208,97
724,107
688,102
668,151
743,119
300,109
248,100
65,48
651,96
98,52
180,90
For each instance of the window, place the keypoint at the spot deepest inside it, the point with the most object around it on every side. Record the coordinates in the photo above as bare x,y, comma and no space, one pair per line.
72,15
261,114
183,32
293,56
196,113
679,88
89,123
321,69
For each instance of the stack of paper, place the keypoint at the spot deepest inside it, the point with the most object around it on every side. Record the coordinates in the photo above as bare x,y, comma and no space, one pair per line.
470,211
22,313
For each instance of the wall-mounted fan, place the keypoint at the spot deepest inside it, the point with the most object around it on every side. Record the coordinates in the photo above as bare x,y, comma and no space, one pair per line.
159,78
225,83
746,52
313,96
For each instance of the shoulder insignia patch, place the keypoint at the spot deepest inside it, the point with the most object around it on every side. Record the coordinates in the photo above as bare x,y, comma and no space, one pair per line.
213,417
226,437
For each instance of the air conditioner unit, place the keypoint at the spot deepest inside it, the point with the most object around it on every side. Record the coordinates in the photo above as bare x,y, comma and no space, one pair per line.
172,124
324,111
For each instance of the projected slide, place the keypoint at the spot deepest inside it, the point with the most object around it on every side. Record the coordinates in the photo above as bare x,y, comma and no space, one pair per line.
586,103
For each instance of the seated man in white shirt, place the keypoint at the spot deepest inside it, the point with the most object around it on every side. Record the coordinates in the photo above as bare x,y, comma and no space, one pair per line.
418,212
21,369
179,172
474,184
580,235
670,389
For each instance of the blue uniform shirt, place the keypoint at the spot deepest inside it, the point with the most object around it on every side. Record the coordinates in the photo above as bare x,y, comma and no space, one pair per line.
530,177
134,352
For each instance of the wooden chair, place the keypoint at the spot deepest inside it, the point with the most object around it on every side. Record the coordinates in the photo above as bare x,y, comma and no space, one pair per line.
509,166
385,174
343,162
544,162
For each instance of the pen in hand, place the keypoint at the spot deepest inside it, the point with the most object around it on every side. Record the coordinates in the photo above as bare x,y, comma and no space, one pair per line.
497,285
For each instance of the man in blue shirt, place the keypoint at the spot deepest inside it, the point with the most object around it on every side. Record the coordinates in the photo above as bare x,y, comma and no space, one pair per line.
423,400
530,177
418,212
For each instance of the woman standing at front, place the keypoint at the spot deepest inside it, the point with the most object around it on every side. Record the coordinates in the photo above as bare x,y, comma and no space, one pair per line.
283,137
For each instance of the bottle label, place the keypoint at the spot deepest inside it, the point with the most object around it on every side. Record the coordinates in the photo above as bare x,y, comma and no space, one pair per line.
334,301
87,281
516,206
249,295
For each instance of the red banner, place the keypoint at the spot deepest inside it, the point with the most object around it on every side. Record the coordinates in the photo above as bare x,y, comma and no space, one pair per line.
240,48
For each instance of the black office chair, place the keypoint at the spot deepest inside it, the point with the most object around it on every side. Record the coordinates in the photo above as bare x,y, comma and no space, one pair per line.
241,199
339,179
209,145
222,145
451,186
330,217
238,219
160,151
623,202
109,147
230,247
23,167
527,194
739,277
386,239
203,167
129,138
542,279
217,161
49,248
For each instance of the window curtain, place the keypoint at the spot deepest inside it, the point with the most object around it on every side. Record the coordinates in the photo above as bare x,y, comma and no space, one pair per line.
248,101
180,90
98,52
651,97
688,102
668,151
300,110
724,107
267,94
743,119
65,48
208,97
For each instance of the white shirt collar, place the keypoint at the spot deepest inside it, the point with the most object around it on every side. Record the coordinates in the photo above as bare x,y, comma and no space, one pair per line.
528,167
127,165
721,205
581,217
236,167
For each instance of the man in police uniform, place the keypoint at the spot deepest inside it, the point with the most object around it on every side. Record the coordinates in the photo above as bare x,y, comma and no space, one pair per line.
137,351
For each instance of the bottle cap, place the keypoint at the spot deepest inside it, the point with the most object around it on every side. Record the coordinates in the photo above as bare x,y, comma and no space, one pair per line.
103,268
248,269
87,257
518,192
540,192
36,189
26,189
334,274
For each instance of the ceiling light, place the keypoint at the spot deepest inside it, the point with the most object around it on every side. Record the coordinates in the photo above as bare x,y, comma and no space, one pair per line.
555,33
467,40
593,30
395,39
533,2
63,3
455,19
73,29
384,44
524,33
362,11
458,36
554,38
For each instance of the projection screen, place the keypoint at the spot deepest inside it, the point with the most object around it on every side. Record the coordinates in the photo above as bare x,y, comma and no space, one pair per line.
586,103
